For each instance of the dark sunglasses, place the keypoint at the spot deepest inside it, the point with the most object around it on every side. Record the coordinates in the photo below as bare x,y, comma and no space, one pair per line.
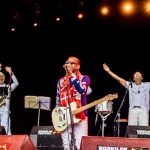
70,62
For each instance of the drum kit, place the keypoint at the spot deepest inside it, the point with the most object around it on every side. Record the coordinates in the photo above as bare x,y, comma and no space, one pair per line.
104,109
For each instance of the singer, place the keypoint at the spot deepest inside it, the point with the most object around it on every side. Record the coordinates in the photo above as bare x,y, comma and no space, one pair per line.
5,98
72,88
139,96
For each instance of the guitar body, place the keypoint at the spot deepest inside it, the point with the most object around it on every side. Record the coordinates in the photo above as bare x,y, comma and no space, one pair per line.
61,117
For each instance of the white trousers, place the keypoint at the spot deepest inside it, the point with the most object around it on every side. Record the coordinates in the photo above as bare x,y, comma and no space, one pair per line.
80,129
5,121
138,116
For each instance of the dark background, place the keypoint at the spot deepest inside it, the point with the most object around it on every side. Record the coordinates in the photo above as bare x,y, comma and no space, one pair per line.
37,56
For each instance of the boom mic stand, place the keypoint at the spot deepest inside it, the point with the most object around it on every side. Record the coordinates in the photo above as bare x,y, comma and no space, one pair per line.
73,140
117,117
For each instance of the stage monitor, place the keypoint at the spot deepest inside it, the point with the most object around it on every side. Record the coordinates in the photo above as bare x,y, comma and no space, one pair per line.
138,131
44,137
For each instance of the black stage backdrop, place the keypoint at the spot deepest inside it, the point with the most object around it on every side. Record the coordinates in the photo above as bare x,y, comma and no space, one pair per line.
37,60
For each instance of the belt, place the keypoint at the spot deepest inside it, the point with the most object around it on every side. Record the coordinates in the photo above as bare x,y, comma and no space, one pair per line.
136,106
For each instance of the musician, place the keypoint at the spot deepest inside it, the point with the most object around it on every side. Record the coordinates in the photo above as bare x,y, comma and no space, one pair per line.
5,95
139,96
72,88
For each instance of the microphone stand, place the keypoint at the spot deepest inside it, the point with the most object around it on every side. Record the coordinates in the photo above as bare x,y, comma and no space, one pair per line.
117,117
39,112
73,146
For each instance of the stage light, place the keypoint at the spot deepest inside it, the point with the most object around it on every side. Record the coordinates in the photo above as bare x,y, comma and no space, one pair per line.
127,8
57,19
80,15
13,29
104,10
146,7
35,24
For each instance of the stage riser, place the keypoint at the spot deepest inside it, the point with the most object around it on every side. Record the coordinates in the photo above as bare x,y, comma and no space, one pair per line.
16,142
117,143
48,148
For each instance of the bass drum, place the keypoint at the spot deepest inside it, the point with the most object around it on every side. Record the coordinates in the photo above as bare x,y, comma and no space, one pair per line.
105,107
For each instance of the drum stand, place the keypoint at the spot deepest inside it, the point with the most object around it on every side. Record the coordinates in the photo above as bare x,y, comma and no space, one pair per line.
104,117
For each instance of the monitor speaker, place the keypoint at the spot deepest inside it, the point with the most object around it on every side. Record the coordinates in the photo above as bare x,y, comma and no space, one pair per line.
16,142
138,131
43,137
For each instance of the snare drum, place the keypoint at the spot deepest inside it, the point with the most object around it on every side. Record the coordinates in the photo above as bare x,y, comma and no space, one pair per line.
104,107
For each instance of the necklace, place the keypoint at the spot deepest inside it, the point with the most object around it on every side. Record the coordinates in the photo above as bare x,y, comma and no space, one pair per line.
138,88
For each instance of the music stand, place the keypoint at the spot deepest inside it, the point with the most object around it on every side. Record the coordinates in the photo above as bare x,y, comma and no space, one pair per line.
37,102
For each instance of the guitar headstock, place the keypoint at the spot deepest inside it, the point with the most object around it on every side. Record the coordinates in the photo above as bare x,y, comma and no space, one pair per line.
111,96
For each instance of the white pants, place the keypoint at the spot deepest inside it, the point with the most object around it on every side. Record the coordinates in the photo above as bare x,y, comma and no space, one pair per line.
138,116
80,129
6,122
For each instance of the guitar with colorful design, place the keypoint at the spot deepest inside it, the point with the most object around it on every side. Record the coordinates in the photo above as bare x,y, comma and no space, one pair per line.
61,117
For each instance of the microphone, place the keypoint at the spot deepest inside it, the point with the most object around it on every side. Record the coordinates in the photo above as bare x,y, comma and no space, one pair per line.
65,66
130,84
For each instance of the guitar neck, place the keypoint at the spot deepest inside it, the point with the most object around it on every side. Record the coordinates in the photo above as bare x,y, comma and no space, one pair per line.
78,110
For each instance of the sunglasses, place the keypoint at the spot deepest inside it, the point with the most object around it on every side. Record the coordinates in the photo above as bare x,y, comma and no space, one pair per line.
70,62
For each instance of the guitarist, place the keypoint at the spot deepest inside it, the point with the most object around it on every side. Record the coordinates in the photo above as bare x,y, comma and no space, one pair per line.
73,88
5,97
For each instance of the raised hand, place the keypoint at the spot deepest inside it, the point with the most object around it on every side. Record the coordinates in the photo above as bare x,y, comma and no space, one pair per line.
8,69
105,67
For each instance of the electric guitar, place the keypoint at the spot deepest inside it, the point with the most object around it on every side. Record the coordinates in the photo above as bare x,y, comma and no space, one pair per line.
2,100
61,116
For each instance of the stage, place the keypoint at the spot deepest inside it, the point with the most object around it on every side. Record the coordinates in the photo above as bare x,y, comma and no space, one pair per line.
24,142
43,138
114,143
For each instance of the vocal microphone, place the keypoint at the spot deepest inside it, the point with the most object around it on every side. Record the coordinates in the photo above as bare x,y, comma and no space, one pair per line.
65,66
130,84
